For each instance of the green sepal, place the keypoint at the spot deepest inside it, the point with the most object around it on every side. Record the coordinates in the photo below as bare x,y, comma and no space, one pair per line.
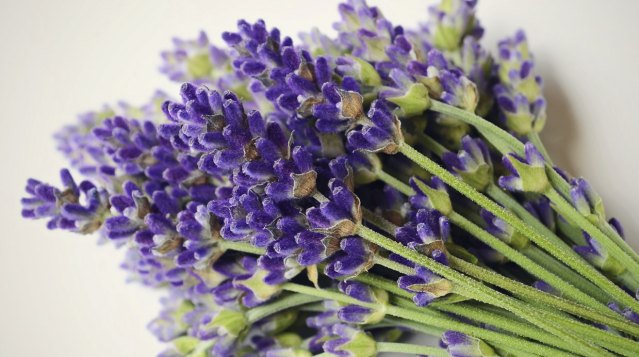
199,66
532,178
480,178
289,339
438,199
233,322
256,284
360,345
414,102
367,73
185,344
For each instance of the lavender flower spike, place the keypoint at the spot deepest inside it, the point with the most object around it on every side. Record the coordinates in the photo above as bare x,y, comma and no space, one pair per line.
518,93
63,208
528,174
191,60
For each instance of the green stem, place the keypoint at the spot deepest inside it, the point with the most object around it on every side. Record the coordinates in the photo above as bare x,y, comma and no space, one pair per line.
488,129
534,254
553,265
392,265
240,247
603,338
507,216
437,332
475,289
537,256
562,252
519,328
430,320
378,221
428,330
395,183
501,139
524,262
572,215
524,291
616,238
260,312
411,349
432,145
527,292
506,143
487,335
559,282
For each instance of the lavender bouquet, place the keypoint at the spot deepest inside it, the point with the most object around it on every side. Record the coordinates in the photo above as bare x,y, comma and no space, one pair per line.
346,196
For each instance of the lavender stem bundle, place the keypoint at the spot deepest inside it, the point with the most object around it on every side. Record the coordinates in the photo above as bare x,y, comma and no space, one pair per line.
343,194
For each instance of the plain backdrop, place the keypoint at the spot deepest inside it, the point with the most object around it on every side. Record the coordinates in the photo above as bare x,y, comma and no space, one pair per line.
62,295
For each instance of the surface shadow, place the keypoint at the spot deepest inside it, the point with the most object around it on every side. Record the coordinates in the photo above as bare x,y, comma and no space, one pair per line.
561,129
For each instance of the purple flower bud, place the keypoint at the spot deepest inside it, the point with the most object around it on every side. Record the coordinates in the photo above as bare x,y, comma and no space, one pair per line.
502,230
462,345
472,162
527,174
381,133
587,201
355,314
355,256
426,285
598,256
340,215
349,341
427,233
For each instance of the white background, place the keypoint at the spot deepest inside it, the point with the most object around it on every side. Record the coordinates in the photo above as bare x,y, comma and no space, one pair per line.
61,295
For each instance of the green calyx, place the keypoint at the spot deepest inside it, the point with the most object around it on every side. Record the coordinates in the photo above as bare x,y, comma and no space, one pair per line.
414,102
256,284
380,297
524,123
199,66
438,199
367,74
479,178
233,323
532,178
185,344
360,345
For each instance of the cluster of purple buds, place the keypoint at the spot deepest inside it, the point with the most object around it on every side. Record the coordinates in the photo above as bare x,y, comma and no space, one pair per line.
452,21
518,93
276,160
472,163
78,208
